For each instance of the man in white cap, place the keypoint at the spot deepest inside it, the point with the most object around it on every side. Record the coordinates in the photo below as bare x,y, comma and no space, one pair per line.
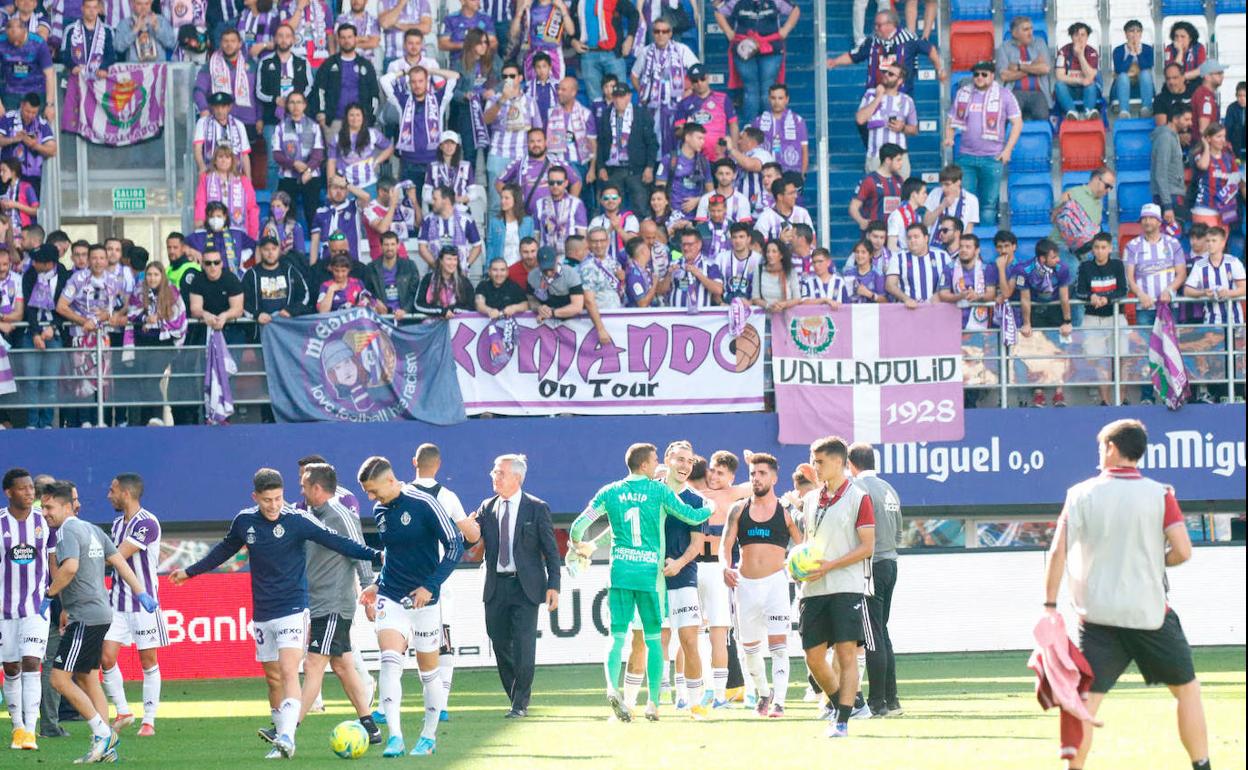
1206,108
1156,270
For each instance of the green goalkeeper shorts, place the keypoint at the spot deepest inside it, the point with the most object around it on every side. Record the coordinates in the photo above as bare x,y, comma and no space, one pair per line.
648,606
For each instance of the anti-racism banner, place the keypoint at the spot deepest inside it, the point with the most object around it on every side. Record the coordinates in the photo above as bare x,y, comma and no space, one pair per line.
876,373
657,362
126,107
354,366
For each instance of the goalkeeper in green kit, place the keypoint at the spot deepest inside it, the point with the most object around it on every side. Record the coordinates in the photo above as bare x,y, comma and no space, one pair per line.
635,508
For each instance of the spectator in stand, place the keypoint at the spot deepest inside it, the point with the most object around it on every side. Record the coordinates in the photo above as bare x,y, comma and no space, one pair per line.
445,291
1218,180
756,31
913,275
776,287
876,236
346,78
740,264
519,272
257,27
714,229
778,221
540,89
669,219
391,281
217,235
1078,79
510,113
42,285
224,183
1166,177
1206,106
12,301
643,288
397,18
284,227
889,117
146,36
627,150
1006,245
313,25
1234,120
712,110
394,81
948,235
340,214
89,42
179,263
822,286
687,172
533,173
658,76
968,280
951,198
1045,280
389,213
420,127
1133,66
273,288
554,288
602,275
1100,283
218,128
544,24
621,225
1079,212
357,151
752,160
863,282
736,205
19,204
26,136
1186,50
913,197
1219,277
229,71
1156,270
560,215
280,75
890,44
696,279
981,112
604,39
367,27
455,28
497,296
1173,94
38,23
25,68
879,193
572,133
342,289
447,226
785,131
1025,68
508,231
474,86
299,150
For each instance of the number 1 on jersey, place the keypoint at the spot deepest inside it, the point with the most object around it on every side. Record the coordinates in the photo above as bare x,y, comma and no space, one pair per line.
633,516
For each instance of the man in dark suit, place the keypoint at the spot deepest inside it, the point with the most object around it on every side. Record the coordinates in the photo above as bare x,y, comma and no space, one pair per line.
628,164
521,570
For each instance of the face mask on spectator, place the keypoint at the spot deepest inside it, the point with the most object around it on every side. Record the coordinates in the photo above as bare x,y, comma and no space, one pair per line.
216,223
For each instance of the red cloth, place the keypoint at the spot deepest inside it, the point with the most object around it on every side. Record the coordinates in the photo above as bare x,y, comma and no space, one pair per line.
1063,679
767,44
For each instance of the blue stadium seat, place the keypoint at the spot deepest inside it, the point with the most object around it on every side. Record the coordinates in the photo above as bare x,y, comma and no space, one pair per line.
1132,148
1030,199
1031,8
1133,192
1034,151
1231,6
1074,179
970,10
1181,7
1028,236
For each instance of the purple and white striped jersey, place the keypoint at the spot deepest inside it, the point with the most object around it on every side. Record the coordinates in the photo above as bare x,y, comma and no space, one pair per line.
1223,277
878,133
920,275
1154,263
24,549
834,288
142,531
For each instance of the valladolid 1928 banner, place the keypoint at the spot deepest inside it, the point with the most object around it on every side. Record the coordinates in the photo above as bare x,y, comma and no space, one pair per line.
658,362
877,373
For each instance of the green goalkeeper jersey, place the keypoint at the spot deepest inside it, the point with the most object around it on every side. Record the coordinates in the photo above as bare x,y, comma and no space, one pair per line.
635,508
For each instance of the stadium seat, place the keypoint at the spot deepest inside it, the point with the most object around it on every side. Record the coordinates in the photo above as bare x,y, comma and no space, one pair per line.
971,42
970,10
1178,7
1198,21
1071,15
1133,192
1132,148
1030,199
1231,31
1230,6
1082,143
1117,36
1074,179
1028,236
1034,151
1127,231
1035,9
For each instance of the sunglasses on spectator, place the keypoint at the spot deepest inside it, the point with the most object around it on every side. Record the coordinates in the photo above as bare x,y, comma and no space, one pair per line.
610,197
946,230
662,31
983,74
558,182
211,262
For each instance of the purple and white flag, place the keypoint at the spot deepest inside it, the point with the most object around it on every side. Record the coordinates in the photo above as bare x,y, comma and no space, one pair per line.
1165,360
7,385
218,368
127,107
875,373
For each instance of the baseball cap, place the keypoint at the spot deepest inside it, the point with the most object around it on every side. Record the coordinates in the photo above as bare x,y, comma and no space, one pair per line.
620,90
220,97
1211,67
1150,210
696,72
984,66
268,240
547,259
450,136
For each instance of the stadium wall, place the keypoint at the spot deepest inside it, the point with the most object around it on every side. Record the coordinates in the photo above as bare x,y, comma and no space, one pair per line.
945,602
1008,458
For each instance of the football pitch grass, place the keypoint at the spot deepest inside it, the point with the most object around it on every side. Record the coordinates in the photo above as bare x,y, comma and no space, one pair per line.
962,710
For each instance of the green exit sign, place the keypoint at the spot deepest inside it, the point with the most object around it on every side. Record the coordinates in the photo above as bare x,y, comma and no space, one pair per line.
129,198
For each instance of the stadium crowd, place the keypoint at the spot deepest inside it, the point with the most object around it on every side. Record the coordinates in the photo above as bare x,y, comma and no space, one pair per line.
571,159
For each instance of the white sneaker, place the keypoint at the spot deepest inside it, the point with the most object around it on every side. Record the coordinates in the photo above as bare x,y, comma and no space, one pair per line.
862,712
155,422
318,706
810,696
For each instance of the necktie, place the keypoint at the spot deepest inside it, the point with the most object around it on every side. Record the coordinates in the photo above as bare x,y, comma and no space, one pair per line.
504,536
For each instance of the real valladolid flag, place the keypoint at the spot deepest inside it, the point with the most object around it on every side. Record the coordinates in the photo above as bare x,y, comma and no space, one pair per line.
127,107
1165,361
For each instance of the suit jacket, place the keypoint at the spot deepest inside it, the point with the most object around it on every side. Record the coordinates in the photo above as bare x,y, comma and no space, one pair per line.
643,147
534,552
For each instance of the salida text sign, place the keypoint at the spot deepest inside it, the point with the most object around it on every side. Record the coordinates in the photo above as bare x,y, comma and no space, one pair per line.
661,362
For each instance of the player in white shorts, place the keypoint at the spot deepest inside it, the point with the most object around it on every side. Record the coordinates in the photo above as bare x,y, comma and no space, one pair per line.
27,551
136,533
763,529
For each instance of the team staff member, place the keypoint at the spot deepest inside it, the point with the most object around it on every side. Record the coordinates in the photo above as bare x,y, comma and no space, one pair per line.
521,570
840,521
881,663
1120,529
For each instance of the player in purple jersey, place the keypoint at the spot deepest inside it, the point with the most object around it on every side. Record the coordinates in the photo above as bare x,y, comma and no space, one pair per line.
27,545
136,533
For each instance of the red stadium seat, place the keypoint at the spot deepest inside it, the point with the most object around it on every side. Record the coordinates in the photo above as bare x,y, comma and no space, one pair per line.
1083,144
1127,231
971,42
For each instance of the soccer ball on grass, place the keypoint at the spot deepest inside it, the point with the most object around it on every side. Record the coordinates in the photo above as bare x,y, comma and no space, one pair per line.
349,740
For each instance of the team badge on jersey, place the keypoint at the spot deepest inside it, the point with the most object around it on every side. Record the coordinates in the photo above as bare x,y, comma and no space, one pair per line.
279,530
251,536
406,518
